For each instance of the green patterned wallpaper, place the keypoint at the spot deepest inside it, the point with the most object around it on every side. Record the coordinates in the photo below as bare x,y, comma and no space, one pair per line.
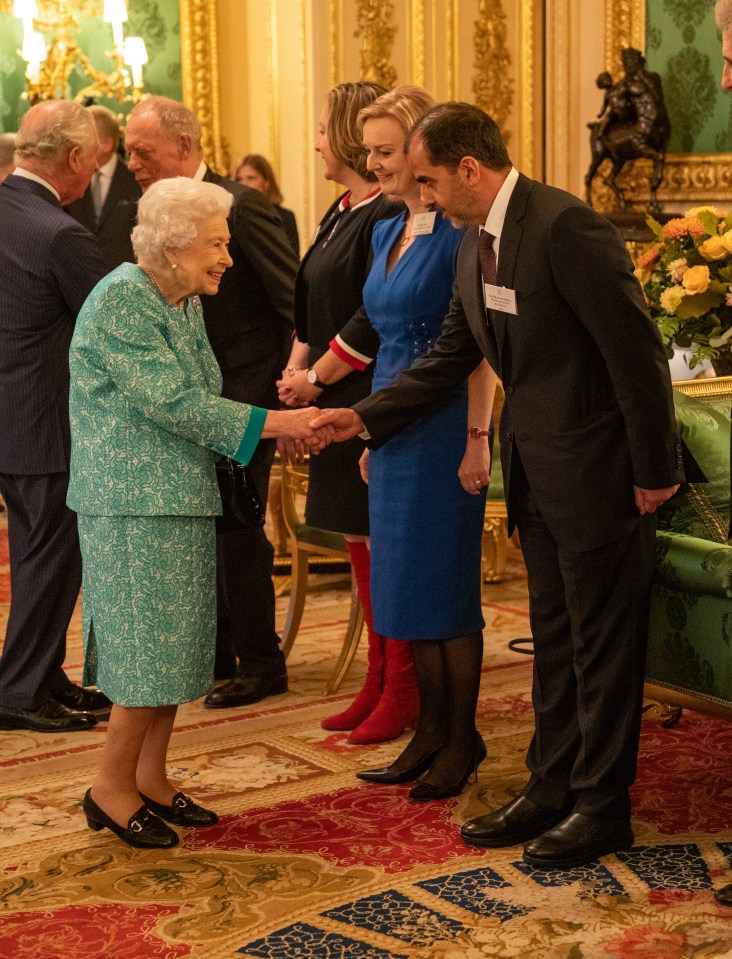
683,45
156,21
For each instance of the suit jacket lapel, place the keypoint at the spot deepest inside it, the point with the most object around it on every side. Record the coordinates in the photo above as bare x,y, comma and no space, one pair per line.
511,235
471,292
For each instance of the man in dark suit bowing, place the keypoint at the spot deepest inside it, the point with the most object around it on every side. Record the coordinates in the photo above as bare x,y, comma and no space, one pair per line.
108,209
545,290
249,324
48,266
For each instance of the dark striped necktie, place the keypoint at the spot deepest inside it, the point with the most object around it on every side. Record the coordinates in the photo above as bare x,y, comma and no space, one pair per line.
487,257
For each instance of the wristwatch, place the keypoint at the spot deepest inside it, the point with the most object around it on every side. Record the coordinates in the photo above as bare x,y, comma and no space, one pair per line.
312,377
475,432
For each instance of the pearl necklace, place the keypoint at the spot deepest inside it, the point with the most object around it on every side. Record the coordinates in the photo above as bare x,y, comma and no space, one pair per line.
153,279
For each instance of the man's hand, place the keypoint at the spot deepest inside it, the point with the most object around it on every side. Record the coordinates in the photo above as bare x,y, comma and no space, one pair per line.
345,423
298,426
648,500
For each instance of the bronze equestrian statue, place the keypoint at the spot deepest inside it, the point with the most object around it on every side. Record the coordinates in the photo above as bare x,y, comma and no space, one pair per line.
632,124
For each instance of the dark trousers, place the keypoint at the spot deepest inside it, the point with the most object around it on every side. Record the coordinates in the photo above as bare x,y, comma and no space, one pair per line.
45,577
245,593
589,619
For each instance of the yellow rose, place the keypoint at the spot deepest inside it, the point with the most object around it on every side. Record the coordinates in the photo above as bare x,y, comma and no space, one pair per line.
714,248
671,298
696,280
695,211
726,238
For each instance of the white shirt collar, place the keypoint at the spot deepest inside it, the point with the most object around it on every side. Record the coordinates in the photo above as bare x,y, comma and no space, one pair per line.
497,214
200,172
19,171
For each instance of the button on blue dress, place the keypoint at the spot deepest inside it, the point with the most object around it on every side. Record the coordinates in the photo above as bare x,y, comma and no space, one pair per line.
425,529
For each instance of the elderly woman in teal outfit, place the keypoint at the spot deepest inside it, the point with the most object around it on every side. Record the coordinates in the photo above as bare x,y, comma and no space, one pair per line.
147,421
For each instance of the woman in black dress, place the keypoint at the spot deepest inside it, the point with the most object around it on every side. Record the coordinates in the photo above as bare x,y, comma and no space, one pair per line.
328,293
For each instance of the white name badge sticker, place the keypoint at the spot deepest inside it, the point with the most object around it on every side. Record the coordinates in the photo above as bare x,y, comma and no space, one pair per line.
423,223
500,298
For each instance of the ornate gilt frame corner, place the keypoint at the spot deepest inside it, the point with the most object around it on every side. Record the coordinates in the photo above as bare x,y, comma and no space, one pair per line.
690,177
200,68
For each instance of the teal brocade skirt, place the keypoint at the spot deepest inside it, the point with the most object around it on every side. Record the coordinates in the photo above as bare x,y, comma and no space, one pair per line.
149,607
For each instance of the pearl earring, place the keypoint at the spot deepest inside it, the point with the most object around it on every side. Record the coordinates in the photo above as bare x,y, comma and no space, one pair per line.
174,266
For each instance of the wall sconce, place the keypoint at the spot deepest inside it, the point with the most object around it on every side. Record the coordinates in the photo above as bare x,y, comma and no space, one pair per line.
48,68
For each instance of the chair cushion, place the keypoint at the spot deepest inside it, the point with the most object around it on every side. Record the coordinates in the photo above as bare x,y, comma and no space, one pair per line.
704,425
695,565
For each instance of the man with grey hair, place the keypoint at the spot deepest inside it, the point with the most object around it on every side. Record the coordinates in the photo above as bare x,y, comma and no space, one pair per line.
249,325
48,266
7,154
108,209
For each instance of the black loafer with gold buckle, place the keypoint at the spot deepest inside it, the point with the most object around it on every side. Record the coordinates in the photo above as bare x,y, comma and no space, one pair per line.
182,811
144,830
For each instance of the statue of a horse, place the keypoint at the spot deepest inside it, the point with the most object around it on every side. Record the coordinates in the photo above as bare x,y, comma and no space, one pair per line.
634,125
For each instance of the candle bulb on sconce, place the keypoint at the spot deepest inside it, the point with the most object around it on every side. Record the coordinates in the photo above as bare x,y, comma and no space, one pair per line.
135,54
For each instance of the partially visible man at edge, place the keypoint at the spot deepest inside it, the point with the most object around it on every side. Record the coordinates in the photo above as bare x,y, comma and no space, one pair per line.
545,291
723,16
249,325
48,266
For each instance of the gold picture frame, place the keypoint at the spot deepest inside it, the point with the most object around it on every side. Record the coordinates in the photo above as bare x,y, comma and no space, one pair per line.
200,75
689,178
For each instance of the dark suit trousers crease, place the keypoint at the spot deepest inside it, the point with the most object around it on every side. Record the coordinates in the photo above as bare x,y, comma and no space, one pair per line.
246,600
45,577
589,618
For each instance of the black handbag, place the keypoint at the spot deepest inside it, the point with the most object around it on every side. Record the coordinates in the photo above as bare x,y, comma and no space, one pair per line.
242,507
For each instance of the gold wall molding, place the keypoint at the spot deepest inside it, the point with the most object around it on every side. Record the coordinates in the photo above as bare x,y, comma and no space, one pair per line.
377,30
416,41
200,69
528,100
688,177
493,84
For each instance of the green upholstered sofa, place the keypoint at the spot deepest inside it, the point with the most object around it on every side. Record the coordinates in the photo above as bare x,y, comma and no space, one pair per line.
690,635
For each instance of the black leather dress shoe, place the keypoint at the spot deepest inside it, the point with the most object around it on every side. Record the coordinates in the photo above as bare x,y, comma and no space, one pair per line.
81,699
388,776
245,690
182,811
51,717
516,822
724,895
144,830
578,840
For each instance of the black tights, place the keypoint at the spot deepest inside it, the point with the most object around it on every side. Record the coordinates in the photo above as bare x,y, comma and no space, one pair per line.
448,675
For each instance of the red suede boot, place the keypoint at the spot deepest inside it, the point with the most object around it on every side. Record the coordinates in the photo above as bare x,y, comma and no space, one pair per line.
399,703
367,699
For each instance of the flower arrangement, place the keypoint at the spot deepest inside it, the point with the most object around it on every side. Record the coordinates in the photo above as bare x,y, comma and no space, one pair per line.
686,276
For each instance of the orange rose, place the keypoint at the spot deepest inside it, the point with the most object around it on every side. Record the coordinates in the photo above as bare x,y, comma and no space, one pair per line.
696,280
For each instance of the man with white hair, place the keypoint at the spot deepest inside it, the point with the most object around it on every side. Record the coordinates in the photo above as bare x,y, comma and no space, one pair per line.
108,209
249,325
48,266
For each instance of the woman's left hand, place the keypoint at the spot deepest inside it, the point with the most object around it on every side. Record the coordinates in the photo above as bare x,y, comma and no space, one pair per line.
475,468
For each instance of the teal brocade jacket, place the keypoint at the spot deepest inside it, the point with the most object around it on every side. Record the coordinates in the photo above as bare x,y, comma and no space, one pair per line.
147,417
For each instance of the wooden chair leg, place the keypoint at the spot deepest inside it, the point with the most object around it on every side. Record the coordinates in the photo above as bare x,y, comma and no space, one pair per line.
350,640
298,591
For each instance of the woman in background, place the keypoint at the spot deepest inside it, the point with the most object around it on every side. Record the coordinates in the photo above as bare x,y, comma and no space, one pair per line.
328,293
427,484
256,172
147,419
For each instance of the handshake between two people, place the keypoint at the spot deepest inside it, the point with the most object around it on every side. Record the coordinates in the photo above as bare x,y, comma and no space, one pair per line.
310,428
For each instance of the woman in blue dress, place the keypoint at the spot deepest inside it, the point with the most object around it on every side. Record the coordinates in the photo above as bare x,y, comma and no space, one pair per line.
426,485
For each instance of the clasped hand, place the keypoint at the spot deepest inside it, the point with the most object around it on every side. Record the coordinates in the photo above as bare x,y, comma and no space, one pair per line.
294,390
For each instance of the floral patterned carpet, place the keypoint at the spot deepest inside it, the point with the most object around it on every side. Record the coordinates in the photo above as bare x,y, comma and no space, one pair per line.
308,862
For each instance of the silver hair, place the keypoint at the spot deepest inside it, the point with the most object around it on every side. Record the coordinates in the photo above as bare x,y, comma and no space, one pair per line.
173,117
170,213
723,15
49,131
7,149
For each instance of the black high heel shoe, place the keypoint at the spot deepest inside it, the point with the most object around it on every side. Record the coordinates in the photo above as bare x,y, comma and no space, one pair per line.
144,829
182,811
425,791
388,776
